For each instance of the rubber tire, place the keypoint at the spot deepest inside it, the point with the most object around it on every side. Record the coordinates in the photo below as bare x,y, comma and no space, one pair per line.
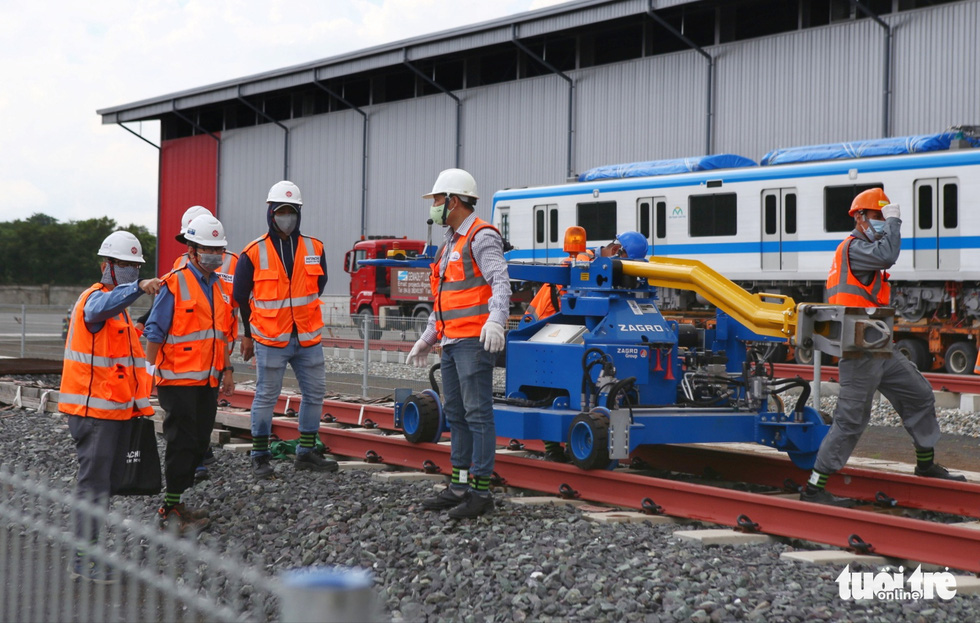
374,332
588,441
420,318
963,356
917,352
420,419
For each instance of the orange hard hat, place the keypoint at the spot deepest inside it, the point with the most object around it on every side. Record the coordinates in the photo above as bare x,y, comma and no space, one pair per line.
871,199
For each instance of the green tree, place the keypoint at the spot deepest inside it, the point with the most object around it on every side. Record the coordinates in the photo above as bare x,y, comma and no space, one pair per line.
41,250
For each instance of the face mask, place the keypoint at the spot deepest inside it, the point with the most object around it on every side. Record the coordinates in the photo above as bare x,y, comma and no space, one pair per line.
878,226
210,261
123,274
286,222
439,213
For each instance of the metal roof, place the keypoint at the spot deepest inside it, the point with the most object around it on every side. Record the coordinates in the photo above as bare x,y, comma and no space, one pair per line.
529,24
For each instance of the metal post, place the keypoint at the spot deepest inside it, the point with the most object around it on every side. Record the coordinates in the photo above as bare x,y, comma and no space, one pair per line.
367,355
23,329
817,356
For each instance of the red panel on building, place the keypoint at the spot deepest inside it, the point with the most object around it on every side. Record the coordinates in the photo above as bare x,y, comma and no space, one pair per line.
188,176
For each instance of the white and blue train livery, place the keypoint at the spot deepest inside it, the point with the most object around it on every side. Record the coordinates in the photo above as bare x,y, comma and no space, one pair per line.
775,227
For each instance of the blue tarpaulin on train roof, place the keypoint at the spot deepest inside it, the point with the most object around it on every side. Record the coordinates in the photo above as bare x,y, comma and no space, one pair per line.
666,167
866,149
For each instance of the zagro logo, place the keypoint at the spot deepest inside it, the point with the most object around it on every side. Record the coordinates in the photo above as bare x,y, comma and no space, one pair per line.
894,586
677,212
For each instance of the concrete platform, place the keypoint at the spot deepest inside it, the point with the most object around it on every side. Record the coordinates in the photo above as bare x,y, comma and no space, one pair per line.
544,501
620,516
722,536
363,466
409,477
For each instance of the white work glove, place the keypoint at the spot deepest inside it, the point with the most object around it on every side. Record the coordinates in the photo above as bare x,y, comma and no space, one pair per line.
492,336
891,211
419,355
150,368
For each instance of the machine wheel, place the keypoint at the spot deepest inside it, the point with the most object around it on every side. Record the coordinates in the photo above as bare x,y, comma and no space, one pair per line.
420,419
588,441
421,317
365,315
917,352
961,357
804,356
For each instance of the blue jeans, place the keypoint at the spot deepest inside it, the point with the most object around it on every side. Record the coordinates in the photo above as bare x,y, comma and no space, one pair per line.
270,365
467,385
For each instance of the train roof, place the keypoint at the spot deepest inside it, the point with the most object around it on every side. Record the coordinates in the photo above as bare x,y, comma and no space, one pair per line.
666,167
866,149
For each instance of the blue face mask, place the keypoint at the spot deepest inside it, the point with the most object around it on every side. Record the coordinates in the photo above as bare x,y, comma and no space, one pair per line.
878,226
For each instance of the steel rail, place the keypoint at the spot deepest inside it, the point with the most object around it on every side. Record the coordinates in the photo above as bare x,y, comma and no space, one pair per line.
899,537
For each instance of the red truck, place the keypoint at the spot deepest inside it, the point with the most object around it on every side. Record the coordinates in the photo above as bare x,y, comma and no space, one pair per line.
398,298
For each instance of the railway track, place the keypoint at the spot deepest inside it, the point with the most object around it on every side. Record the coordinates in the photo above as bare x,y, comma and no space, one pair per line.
881,525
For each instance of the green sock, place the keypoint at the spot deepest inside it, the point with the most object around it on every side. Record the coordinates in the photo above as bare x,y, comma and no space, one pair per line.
817,481
306,440
260,444
925,458
170,500
461,477
481,484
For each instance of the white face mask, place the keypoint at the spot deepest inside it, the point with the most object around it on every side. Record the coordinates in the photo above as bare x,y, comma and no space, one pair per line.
210,261
286,222
439,213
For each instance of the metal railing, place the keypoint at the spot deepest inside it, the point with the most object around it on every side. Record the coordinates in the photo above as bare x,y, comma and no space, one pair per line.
158,576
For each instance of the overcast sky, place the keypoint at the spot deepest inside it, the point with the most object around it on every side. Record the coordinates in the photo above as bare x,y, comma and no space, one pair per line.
60,61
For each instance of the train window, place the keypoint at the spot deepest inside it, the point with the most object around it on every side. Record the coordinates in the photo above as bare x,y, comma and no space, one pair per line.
925,206
770,214
645,219
789,220
661,219
539,226
836,203
504,222
712,215
950,206
598,219
553,224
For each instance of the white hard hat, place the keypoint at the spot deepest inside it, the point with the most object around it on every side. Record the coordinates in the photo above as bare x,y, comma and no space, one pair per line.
122,245
189,215
207,231
454,182
285,192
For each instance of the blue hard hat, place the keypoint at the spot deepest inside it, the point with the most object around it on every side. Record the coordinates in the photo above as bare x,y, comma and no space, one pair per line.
633,243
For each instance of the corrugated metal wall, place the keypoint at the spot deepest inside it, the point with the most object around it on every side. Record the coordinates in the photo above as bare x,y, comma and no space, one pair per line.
814,86
188,167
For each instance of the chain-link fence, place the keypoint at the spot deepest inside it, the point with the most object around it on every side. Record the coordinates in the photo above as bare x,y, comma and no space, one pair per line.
364,356
128,571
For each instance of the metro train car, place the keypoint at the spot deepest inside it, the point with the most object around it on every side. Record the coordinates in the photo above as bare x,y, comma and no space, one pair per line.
774,227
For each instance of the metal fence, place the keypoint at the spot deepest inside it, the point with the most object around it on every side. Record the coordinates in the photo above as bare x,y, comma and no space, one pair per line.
365,360
158,576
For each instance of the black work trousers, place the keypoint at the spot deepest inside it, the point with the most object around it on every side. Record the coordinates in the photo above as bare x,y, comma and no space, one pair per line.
187,425
97,444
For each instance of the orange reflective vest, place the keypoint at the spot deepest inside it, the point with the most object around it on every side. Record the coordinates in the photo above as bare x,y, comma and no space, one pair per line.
193,351
226,275
279,303
547,301
461,295
843,288
104,374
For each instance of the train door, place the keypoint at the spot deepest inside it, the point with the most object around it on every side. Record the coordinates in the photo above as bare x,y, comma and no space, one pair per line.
936,224
779,230
651,219
546,235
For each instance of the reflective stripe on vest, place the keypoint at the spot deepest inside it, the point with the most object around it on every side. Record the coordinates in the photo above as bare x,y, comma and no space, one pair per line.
104,374
843,288
273,316
227,275
193,351
461,294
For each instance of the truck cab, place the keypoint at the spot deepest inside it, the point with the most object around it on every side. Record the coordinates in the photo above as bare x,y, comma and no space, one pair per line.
384,297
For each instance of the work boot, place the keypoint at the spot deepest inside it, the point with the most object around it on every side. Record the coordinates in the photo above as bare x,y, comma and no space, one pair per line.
201,473
938,471
473,506
262,466
822,496
182,519
447,498
208,457
312,461
554,452
89,570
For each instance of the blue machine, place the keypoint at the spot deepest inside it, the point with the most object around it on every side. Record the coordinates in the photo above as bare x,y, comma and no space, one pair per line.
609,373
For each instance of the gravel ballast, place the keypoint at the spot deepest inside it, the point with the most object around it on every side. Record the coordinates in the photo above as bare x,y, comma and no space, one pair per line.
537,563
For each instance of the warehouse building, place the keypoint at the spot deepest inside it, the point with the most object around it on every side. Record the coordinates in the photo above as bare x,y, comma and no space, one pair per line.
536,98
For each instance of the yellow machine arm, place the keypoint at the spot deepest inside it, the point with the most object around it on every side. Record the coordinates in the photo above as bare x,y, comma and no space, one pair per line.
765,314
